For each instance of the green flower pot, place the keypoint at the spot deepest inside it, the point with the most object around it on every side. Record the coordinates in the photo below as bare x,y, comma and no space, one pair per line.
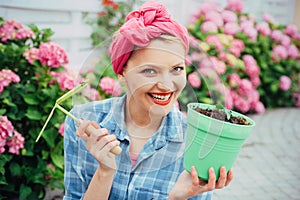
211,142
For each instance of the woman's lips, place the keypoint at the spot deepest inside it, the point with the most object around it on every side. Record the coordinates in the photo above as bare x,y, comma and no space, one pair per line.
161,98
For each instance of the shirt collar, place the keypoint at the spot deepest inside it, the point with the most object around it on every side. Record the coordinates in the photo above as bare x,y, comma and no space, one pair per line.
172,127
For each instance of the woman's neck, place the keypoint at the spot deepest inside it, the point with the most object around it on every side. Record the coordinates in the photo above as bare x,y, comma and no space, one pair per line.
137,119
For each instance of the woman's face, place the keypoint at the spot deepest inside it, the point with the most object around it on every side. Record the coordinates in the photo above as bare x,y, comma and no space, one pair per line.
155,76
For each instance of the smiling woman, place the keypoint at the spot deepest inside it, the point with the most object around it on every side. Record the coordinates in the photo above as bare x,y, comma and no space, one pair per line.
148,55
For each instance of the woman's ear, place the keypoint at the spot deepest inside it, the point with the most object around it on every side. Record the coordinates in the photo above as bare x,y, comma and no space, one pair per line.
121,77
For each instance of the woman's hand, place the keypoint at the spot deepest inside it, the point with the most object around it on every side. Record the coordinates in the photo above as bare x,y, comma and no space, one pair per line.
189,185
99,143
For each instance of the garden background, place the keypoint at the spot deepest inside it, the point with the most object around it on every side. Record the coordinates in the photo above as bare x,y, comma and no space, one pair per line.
257,74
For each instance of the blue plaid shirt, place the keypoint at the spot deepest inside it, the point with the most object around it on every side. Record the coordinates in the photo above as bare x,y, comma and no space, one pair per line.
158,166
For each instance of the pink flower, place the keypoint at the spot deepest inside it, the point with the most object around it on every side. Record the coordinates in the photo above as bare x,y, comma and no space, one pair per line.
61,129
242,104
245,87
218,65
292,51
52,55
268,18
208,6
231,28
228,99
110,86
194,80
229,16
214,17
251,33
276,35
31,55
259,107
214,40
65,81
255,80
12,30
291,30
263,28
237,46
285,83
209,27
285,41
235,5
234,80
91,93
279,52
15,143
6,127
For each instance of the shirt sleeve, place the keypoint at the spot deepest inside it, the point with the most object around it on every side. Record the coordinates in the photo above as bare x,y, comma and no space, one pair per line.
74,181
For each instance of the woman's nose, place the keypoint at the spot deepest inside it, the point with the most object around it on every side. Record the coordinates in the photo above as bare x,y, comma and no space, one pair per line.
165,83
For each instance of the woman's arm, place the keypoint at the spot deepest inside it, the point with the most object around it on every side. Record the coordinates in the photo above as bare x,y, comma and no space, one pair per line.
100,184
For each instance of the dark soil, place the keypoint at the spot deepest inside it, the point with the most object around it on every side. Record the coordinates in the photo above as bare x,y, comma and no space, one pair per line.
221,115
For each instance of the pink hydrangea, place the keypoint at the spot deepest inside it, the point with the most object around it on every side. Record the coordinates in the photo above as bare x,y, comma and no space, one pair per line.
285,83
214,40
209,27
235,5
259,107
214,17
31,55
194,80
251,33
110,86
231,28
285,41
61,129
234,80
12,30
237,46
218,65
242,104
66,81
15,143
279,52
229,16
245,87
291,30
255,80
91,93
208,6
52,55
6,127
268,18
292,51
276,35
6,77
263,28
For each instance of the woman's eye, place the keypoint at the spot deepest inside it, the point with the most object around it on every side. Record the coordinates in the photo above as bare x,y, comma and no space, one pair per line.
148,71
178,69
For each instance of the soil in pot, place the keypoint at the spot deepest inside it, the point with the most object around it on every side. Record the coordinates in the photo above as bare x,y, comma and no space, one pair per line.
222,115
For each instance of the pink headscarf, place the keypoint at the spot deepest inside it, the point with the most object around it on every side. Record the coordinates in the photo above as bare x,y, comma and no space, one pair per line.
150,21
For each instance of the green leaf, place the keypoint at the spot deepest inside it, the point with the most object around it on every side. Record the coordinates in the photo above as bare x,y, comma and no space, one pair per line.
57,156
33,114
15,169
25,191
2,111
49,136
31,99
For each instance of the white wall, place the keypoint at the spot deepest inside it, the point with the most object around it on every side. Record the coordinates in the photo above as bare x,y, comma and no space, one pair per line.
64,17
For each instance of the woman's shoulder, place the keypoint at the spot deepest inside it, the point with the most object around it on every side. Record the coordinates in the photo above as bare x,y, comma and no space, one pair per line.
92,110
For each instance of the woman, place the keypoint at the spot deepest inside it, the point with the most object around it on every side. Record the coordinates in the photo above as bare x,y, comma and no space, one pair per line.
148,54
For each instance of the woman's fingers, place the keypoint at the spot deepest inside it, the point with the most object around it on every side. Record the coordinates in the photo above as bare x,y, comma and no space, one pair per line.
222,179
229,178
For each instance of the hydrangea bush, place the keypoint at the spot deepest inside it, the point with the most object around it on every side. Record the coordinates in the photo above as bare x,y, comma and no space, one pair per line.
245,63
33,75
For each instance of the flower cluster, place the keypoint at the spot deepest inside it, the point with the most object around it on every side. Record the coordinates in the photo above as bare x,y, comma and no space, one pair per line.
6,77
10,137
110,86
33,75
13,30
254,61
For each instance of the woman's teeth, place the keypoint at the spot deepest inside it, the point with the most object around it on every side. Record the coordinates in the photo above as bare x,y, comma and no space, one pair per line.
160,97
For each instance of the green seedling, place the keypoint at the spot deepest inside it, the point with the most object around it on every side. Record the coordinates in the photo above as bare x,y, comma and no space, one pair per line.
221,107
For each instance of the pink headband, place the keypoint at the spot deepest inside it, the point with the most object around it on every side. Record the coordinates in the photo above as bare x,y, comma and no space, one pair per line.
150,21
